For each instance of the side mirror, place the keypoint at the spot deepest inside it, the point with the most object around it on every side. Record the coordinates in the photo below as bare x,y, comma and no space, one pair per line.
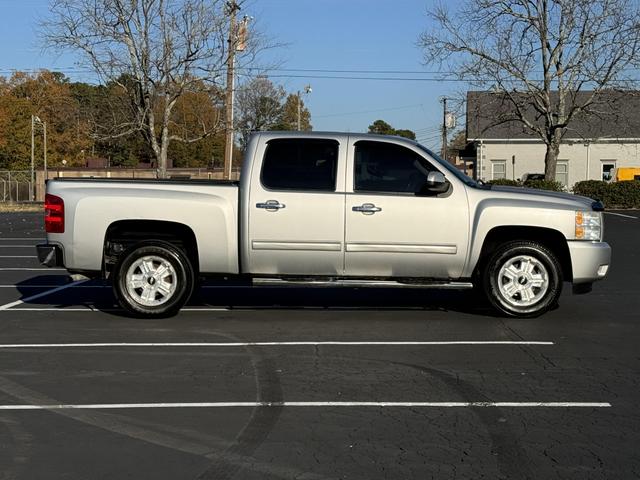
436,183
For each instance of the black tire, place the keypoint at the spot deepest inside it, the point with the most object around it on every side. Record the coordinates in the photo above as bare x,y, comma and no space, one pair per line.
522,255
182,283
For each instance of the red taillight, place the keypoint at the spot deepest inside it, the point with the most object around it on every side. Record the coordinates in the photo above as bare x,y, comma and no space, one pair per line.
53,214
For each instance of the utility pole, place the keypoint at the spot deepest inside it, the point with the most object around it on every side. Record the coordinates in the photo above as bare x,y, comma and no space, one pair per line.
307,90
33,179
299,110
44,125
232,9
444,128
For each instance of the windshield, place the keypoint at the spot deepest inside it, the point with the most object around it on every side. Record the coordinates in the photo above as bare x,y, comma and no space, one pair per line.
451,168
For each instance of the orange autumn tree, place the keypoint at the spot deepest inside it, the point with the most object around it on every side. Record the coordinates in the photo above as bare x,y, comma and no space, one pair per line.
48,96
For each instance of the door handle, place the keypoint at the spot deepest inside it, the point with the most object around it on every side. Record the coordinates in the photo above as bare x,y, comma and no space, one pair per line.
366,208
271,205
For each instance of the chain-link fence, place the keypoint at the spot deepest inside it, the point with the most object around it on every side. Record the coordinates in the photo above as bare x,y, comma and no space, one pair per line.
15,186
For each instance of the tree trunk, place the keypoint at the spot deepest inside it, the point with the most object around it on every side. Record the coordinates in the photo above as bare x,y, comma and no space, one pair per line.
162,162
164,149
551,160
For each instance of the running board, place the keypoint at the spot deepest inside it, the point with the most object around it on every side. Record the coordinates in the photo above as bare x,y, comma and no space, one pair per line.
279,282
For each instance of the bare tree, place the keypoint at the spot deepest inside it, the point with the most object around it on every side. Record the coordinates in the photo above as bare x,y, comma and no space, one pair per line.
551,61
155,51
260,106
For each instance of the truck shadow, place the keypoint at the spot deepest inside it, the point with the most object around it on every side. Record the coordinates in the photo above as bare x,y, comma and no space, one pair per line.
97,295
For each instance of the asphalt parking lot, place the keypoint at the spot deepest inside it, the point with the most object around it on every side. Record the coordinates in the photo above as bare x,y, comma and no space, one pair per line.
315,384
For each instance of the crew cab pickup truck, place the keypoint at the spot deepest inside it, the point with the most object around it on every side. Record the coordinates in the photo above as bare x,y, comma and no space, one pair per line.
326,209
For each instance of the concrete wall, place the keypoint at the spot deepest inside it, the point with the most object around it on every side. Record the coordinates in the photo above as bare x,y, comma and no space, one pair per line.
584,160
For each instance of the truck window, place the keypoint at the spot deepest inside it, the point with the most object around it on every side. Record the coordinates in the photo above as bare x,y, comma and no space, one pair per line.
386,167
300,164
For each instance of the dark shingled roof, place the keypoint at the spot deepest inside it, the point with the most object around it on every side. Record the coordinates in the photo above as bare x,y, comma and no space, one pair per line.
613,115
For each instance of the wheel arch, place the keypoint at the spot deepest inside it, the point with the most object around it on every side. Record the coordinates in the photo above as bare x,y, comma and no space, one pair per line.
123,234
552,239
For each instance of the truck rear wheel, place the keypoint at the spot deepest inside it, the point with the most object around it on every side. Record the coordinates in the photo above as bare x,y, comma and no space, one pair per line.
153,279
522,279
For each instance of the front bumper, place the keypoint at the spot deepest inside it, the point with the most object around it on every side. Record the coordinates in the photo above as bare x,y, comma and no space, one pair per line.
589,260
50,255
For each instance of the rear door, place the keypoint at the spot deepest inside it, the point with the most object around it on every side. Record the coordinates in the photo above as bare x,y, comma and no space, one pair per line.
296,207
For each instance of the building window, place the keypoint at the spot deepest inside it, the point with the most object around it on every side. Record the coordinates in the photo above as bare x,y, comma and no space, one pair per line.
608,166
498,169
562,172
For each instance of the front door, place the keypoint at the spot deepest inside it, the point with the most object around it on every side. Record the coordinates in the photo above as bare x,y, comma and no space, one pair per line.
296,208
393,228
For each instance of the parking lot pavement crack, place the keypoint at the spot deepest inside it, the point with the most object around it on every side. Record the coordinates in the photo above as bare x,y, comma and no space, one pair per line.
261,421
511,459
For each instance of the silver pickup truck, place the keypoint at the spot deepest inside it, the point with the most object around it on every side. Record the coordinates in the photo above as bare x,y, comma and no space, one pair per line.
323,209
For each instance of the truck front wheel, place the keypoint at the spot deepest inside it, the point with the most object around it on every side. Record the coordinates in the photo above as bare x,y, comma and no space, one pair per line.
153,279
522,279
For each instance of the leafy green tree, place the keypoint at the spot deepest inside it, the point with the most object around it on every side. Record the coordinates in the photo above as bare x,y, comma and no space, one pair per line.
380,127
406,133
289,117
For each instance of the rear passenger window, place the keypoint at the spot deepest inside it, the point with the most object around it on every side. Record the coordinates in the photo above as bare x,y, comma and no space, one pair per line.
300,164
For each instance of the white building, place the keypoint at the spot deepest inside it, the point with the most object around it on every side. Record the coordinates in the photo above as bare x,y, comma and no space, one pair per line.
593,146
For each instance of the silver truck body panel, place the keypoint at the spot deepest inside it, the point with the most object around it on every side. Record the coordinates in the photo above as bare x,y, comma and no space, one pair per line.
210,211
306,237
589,261
411,236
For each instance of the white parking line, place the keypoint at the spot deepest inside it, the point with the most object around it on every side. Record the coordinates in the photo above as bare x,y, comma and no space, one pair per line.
265,344
7,306
621,215
53,286
115,406
16,269
98,310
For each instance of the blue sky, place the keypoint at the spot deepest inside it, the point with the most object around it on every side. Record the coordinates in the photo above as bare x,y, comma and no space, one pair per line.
319,34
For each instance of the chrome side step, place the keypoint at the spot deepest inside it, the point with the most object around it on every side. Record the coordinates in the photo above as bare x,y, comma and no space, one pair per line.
281,282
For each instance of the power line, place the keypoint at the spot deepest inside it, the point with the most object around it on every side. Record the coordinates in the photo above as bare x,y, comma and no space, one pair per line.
404,107
424,131
326,70
388,79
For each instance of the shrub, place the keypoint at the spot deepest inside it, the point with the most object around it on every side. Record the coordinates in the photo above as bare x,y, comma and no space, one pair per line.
505,181
545,185
595,189
539,184
624,194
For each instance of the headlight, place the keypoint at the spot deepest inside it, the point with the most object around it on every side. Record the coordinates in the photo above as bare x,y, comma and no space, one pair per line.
588,226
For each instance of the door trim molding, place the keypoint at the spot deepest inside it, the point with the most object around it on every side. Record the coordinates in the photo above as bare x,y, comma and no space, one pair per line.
401,248
308,246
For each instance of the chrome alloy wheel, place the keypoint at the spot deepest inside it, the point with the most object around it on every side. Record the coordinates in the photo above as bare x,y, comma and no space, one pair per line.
523,281
151,281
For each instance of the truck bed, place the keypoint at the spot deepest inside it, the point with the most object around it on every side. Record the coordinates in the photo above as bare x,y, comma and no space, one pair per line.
95,206
174,181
